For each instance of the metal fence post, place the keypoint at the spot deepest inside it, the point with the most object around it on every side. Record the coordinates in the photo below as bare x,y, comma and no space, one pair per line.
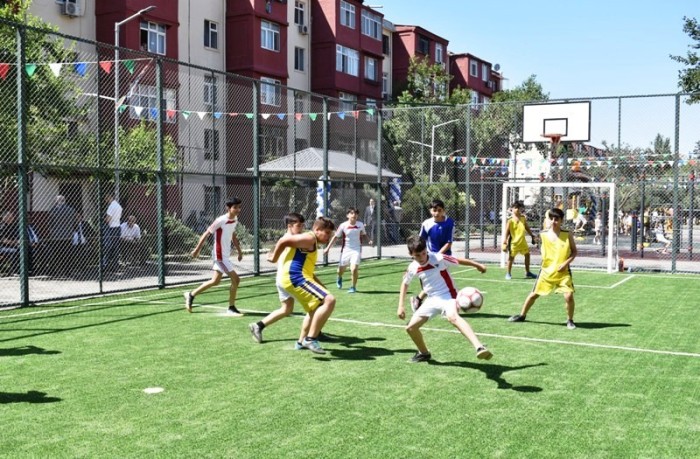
160,176
22,168
256,177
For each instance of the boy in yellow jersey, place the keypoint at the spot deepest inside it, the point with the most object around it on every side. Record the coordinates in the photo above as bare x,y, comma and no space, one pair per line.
514,241
298,266
295,225
558,251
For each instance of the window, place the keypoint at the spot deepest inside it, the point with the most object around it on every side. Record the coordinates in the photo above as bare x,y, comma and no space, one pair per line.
270,36
145,99
423,45
211,34
153,37
212,200
371,25
347,60
371,104
209,91
299,13
473,69
385,85
371,68
270,92
474,98
211,144
484,72
386,45
299,104
271,140
347,102
438,54
299,54
347,14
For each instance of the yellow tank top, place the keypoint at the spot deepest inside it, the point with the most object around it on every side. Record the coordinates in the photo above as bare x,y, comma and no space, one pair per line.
299,265
517,233
554,253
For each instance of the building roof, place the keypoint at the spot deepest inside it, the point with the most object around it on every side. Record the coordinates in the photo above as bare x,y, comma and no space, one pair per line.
309,163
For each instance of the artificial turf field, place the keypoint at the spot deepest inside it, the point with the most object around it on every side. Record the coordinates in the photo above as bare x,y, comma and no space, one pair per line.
625,383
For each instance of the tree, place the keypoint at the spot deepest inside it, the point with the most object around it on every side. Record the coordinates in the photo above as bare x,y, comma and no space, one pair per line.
689,78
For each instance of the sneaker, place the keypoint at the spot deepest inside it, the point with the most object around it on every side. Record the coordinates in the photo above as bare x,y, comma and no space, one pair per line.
516,318
570,324
339,283
323,337
483,354
530,275
352,290
298,346
188,301
508,276
233,312
313,346
415,303
420,357
256,332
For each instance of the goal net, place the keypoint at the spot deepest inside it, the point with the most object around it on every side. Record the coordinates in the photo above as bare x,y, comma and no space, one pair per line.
589,213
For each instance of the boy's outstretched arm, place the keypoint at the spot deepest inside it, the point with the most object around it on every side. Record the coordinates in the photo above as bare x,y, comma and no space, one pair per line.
467,262
202,239
330,244
305,240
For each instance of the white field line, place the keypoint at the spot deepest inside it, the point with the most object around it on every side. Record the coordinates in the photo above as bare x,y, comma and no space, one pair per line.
529,282
508,337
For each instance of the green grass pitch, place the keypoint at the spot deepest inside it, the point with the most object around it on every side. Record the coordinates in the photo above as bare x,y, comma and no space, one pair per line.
623,384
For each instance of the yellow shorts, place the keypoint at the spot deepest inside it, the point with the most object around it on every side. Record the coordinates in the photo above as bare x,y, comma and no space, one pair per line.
544,286
519,250
309,294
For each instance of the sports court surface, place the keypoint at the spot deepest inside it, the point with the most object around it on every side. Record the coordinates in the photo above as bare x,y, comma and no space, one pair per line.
623,384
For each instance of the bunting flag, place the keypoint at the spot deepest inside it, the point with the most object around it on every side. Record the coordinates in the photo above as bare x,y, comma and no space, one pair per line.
4,68
80,68
232,114
249,116
265,116
170,113
130,66
281,116
56,69
297,116
30,69
121,109
313,116
185,114
341,115
153,113
106,66
217,115
201,115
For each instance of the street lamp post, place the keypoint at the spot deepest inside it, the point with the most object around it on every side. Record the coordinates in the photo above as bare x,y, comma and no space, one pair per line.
432,144
117,101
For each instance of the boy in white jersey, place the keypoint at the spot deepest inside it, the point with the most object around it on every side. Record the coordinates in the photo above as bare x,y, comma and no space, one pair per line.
433,271
223,229
351,233
558,251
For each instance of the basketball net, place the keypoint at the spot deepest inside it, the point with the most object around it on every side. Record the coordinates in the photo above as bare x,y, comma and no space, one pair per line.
554,140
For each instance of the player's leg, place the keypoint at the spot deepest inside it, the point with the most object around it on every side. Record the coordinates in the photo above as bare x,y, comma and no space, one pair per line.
305,325
233,290
413,330
320,316
285,309
213,282
529,301
341,271
570,307
528,273
509,265
466,330
355,272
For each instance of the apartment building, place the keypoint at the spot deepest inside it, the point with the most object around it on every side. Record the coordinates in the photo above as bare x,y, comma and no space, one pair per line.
412,41
476,74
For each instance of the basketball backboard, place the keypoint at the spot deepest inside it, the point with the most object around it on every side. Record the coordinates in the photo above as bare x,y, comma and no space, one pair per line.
572,120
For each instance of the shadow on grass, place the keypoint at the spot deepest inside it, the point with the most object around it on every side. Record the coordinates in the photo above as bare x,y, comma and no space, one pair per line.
354,348
31,396
584,325
494,373
25,350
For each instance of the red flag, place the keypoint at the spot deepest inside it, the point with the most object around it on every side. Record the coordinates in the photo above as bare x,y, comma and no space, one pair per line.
106,66
4,68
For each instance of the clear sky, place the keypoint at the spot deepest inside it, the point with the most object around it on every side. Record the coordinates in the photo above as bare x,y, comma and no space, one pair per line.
576,48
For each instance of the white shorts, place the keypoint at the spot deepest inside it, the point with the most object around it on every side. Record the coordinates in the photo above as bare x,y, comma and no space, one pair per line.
282,293
223,266
434,305
350,257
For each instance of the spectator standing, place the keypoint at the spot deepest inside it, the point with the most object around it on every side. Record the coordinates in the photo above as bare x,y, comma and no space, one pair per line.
112,233
370,220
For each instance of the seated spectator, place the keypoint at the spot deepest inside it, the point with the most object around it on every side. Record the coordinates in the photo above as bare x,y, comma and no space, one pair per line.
9,242
131,240
82,240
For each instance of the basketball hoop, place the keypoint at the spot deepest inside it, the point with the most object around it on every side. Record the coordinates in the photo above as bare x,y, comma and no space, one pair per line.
554,139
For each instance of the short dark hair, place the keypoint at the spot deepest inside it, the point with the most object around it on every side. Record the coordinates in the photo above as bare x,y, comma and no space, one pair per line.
437,203
352,209
519,204
324,223
556,212
415,244
292,218
233,202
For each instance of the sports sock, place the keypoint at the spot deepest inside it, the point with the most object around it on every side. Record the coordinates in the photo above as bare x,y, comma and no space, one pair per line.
261,325
233,308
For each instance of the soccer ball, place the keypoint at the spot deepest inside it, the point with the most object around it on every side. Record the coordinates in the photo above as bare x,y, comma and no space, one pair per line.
470,300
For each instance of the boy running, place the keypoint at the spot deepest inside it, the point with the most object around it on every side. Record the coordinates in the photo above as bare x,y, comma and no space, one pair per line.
558,251
351,233
224,231
433,271
514,241
298,279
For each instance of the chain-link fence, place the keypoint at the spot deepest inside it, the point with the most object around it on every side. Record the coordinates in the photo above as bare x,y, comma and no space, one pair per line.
85,130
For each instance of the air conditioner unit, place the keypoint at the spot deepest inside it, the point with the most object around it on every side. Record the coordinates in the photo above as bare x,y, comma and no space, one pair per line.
72,8
303,29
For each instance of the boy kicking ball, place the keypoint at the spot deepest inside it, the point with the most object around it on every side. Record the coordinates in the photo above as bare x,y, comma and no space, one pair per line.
433,271
558,251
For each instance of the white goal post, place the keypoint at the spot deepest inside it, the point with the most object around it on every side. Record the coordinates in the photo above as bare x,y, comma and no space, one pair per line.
509,189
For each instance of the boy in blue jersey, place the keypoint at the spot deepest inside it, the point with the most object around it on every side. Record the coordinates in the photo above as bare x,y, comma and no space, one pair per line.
437,232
